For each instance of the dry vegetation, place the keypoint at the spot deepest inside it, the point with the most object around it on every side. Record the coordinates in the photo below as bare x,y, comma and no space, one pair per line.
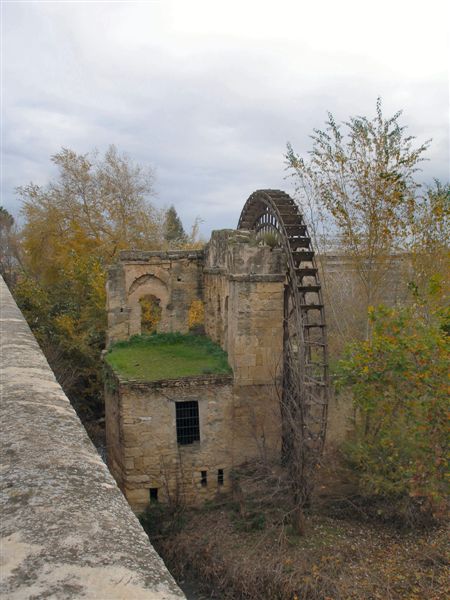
249,551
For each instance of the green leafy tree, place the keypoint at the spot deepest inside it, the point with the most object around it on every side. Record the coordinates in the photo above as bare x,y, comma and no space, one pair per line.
359,183
174,233
399,380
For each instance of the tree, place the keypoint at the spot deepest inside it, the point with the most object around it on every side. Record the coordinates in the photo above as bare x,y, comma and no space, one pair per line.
9,256
359,184
174,233
429,247
74,228
399,379
96,207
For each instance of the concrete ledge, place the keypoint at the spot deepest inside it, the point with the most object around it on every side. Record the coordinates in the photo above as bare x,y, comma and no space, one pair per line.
66,530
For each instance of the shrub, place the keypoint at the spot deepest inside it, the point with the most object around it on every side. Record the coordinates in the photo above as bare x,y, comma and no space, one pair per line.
400,389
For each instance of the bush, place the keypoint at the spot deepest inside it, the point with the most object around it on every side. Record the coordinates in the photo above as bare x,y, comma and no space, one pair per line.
398,452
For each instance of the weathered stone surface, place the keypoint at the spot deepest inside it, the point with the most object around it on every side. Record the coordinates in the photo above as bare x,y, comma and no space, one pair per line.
241,283
66,530
236,424
174,278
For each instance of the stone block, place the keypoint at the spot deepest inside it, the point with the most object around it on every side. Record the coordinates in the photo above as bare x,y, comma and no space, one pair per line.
129,464
133,451
137,478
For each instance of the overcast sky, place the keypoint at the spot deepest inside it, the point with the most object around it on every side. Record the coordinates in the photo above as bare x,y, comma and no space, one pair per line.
208,93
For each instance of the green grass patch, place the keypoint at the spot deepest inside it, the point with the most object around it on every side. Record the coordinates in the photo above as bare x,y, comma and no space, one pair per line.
167,356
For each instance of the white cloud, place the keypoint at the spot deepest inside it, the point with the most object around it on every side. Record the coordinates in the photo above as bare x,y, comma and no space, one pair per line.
210,92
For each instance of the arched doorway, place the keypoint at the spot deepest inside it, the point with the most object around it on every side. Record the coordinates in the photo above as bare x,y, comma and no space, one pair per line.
148,298
151,311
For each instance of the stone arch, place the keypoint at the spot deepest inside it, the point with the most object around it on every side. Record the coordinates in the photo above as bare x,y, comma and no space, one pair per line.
145,286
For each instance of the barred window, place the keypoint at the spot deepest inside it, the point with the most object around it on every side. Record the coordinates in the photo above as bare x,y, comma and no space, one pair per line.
188,424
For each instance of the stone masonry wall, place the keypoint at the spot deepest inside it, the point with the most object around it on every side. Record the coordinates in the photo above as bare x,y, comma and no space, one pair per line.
236,424
243,294
174,278
66,530
242,285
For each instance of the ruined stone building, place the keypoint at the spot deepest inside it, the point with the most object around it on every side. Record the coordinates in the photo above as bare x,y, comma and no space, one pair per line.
234,417
179,439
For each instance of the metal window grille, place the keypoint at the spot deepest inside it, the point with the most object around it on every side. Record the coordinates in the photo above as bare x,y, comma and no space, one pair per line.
187,420
220,477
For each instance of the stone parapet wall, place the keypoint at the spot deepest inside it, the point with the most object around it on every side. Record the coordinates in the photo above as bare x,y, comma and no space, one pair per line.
390,285
66,529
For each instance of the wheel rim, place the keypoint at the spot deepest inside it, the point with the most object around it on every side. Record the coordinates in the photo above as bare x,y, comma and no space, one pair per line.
305,388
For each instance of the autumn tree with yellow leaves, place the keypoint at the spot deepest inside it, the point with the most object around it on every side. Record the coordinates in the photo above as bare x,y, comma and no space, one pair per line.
74,228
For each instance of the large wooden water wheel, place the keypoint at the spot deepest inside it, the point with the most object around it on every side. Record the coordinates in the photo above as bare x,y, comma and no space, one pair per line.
276,219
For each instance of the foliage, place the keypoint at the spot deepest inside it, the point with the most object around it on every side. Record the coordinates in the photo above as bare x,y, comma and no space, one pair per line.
196,315
74,228
270,239
167,356
150,313
161,520
359,183
69,323
242,558
95,206
399,381
174,232
429,249
9,255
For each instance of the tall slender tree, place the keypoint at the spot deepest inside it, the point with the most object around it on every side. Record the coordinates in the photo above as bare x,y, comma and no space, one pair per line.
174,233
359,181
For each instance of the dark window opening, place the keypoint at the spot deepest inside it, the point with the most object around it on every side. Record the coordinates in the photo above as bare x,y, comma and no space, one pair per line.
204,478
188,425
153,494
220,476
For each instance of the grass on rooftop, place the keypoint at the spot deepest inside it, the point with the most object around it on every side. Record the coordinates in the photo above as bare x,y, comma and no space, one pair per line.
167,356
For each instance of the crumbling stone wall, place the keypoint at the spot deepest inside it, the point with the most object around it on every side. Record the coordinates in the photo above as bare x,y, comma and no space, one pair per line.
241,283
174,278
236,424
243,293
242,286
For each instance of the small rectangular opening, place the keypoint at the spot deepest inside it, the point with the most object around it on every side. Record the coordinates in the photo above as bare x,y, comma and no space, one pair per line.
187,422
153,492
204,478
220,477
